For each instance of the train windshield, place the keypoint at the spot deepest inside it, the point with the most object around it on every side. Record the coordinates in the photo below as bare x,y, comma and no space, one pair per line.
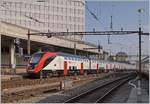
36,57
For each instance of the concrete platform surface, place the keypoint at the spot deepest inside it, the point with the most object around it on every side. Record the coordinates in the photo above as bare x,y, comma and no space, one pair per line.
10,77
138,95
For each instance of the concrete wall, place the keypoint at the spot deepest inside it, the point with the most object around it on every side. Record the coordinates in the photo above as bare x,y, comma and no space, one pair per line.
20,32
52,15
5,61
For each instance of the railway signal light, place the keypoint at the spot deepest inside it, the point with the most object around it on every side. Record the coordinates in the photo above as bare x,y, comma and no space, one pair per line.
18,48
17,45
21,51
49,36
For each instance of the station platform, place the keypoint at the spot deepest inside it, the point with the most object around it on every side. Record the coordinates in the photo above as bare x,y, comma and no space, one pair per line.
7,74
139,94
10,77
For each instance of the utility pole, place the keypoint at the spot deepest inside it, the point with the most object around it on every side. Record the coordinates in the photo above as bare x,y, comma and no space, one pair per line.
28,43
99,49
141,10
111,24
140,75
75,51
140,52
111,29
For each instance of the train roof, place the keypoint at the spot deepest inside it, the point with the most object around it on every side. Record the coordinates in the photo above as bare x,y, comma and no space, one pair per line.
78,56
70,55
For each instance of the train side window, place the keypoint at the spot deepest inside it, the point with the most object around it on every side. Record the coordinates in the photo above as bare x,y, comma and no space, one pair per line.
70,68
75,67
76,59
65,58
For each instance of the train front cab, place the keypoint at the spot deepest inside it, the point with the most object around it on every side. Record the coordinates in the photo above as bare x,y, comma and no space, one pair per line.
38,61
33,63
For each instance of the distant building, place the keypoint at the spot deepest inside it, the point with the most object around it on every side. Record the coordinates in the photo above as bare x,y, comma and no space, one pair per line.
105,55
45,15
112,58
121,56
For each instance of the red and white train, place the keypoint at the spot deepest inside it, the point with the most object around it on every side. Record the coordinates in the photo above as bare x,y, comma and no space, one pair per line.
50,63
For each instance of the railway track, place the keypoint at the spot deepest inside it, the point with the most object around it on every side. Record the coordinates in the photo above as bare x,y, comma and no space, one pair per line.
34,87
99,93
19,93
28,82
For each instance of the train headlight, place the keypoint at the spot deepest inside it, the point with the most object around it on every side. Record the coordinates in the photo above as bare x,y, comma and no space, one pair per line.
30,61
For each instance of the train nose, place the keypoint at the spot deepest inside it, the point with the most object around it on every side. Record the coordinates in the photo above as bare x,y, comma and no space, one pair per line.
31,67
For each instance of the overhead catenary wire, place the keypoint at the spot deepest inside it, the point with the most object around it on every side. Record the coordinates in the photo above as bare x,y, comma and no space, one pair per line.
5,6
94,15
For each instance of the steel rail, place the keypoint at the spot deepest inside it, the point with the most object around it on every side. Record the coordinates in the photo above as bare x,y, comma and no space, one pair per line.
100,100
76,98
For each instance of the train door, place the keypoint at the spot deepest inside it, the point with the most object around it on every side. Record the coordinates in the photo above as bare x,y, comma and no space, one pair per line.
81,70
106,68
90,64
65,68
102,67
114,68
97,69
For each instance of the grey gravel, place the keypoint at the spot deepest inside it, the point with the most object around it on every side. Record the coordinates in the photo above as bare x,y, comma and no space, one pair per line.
64,95
121,95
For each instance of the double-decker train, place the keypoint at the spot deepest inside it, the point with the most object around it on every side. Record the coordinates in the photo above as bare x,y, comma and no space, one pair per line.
50,63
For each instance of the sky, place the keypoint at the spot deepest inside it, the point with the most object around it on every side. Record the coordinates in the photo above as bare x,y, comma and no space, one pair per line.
124,15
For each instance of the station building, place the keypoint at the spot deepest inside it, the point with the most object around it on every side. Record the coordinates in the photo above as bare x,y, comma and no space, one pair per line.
18,17
45,15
